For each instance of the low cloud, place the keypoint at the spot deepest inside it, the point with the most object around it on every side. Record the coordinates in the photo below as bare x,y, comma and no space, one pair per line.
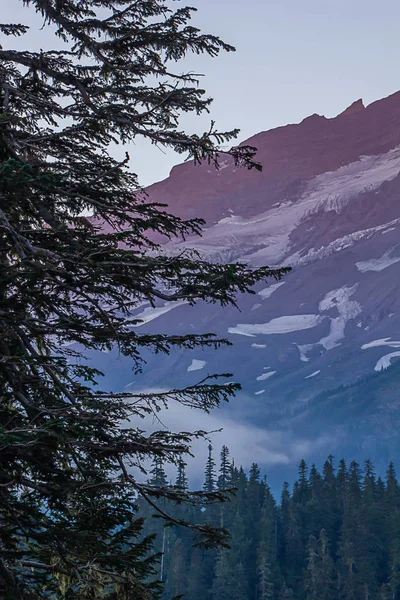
247,442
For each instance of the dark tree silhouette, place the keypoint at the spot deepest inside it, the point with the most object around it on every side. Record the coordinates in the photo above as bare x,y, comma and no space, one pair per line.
76,258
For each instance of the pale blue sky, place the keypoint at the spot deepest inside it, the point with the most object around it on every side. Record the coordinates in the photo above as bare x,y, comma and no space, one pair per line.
294,58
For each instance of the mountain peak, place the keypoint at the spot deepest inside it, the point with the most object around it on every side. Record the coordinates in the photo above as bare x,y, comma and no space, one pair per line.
355,107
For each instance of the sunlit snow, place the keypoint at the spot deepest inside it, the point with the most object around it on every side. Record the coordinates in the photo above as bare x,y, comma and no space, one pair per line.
258,393
258,346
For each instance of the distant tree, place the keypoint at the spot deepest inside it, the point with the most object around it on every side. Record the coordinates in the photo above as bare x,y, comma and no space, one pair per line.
230,581
158,476
181,479
286,593
209,473
200,576
176,570
268,572
391,509
320,584
76,258
224,479
365,534
224,581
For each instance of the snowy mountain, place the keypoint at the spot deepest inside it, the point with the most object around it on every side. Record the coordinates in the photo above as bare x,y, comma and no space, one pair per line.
314,350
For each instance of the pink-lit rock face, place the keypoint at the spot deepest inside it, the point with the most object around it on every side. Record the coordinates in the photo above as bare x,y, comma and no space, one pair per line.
328,204
289,155
355,107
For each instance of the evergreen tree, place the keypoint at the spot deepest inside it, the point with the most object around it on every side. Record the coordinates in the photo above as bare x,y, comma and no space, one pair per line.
176,571
330,513
158,476
224,583
351,540
209,473
181,479
67,278
365,533
252,516
320,584
301,493
201,576
282,527
269,579
224,482
230,582
225,475
286,593
392,517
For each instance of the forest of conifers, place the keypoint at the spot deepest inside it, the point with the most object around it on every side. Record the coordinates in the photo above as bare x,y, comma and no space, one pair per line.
334,536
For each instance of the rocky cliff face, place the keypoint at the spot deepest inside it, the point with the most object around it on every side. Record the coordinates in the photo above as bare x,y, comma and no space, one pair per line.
328,204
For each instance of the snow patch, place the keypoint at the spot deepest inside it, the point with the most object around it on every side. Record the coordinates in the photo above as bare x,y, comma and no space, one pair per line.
268,291
378,264
347,309
303,349
196,365
150,313
258,393
384,361
258,346
265,376
280,325
382,342
313,374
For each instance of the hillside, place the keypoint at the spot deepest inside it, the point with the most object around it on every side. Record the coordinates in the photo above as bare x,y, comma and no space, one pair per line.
328,204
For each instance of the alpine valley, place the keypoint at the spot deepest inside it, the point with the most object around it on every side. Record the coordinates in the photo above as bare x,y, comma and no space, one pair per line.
317,353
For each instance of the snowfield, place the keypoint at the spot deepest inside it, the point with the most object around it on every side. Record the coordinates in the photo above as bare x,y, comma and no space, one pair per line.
265,239
334,189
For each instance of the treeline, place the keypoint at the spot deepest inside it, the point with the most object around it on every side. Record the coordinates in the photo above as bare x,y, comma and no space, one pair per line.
334,536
